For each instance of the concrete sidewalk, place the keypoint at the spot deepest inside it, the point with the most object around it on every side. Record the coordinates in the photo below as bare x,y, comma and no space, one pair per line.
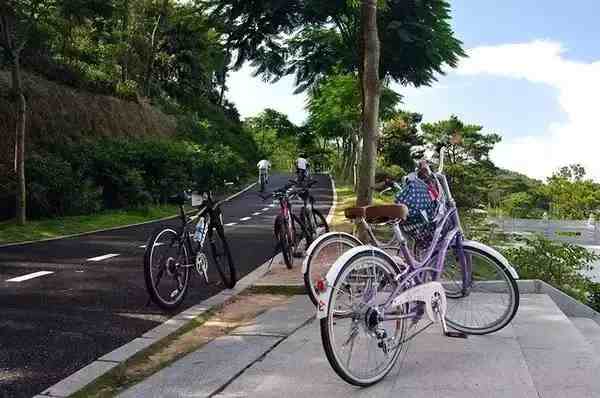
542,354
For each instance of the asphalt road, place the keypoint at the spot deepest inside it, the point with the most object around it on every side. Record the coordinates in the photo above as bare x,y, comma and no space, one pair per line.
65,303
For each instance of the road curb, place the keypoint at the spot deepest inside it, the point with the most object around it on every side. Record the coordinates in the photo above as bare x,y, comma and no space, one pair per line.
113,228
107,362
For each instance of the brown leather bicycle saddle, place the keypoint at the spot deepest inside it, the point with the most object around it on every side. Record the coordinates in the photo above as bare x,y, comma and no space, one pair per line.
378,213
353,213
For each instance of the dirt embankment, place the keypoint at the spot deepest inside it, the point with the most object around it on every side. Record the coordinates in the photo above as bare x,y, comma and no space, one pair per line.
58,113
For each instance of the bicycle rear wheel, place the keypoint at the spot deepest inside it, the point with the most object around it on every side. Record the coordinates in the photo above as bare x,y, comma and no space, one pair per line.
166,268
222,256
486,301
351,332
316,225
322,257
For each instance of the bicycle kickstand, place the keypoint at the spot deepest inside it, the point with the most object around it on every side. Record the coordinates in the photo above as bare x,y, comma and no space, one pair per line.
448,333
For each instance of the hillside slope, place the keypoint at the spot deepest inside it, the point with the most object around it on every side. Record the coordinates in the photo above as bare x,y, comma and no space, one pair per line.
57,113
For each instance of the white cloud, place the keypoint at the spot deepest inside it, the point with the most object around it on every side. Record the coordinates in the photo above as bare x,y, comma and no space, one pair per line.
251,95
577,140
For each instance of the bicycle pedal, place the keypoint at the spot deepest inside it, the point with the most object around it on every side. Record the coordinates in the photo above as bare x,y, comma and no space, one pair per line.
456,335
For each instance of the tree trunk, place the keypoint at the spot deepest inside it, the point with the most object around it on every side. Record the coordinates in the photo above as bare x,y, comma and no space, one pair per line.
150,65
21,198
371,91
356,152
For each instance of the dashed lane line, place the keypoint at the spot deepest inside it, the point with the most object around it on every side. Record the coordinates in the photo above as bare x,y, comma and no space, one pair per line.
231,224
265,209
30,276
258,213
104,257
156,244
245,218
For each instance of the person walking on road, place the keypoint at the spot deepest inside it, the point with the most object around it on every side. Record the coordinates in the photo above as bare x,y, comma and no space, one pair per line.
302,168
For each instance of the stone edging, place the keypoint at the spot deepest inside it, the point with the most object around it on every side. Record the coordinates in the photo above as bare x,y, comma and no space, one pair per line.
567,304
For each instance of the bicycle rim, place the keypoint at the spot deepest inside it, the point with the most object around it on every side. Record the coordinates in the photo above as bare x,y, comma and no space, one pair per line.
488,302
322,257
167,276
222,257
352,349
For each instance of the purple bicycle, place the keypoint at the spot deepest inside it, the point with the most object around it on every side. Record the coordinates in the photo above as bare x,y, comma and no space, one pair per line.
371,303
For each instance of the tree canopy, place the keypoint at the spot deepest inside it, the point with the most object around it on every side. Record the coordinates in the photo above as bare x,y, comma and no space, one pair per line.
312,38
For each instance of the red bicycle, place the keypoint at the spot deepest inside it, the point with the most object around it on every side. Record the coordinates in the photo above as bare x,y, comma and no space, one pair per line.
288,229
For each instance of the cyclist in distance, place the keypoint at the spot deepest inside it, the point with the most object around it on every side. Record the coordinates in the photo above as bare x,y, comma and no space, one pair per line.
263,170
301,168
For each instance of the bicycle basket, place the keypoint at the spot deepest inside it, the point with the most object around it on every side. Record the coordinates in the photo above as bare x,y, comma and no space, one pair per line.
423,209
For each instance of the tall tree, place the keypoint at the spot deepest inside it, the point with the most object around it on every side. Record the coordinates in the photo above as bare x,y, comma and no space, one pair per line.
17,20
370,86
313,38
335,113
401,143
473,146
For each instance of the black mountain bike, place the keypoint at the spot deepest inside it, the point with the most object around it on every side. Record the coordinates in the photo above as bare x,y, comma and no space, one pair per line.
313,220
171,253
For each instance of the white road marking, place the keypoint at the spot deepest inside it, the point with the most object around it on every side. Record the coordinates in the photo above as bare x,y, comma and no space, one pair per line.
104,257
155,245
245,218
30,276
265,209
258,213
231,224
272,205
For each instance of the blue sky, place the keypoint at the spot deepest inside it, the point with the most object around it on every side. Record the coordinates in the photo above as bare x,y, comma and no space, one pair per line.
533,76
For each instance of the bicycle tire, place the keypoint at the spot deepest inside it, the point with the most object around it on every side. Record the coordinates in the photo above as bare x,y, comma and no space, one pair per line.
299,237
345,240
281,234
492,325
320,222
229,278
326,325
151,285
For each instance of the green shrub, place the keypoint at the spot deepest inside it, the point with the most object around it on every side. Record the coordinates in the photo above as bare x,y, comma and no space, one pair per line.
127,90
594,296
56,188
393,171
560,264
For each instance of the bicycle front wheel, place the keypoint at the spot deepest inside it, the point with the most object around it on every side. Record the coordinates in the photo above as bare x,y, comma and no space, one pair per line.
166,268
285,241
320,224
483,297
222,256
360,347
322,257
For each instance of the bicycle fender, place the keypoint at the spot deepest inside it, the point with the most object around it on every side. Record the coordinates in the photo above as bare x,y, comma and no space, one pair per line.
324,297
321,238
494,253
